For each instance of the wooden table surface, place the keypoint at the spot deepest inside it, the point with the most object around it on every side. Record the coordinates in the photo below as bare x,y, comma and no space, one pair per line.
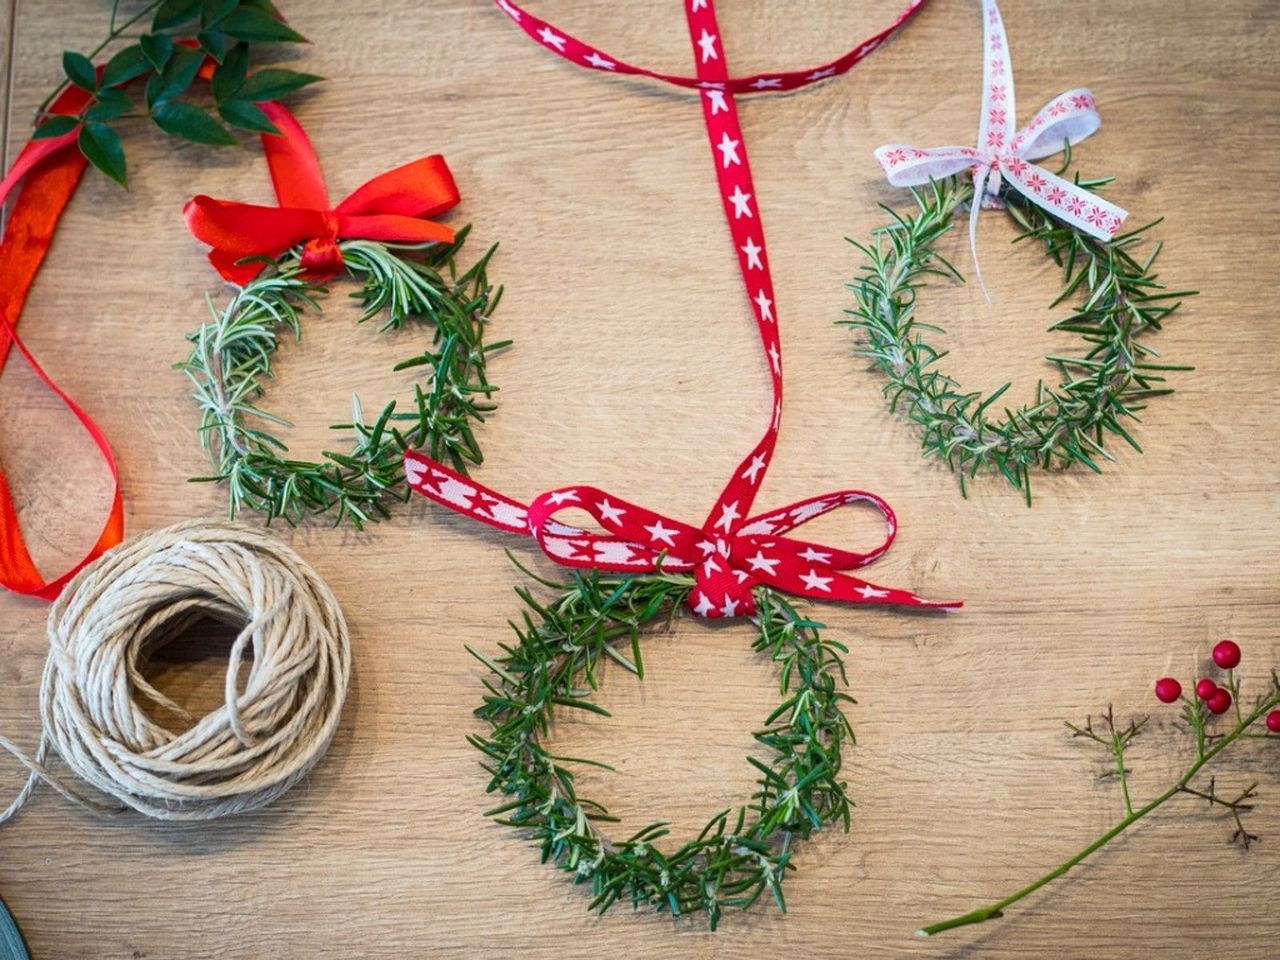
635,368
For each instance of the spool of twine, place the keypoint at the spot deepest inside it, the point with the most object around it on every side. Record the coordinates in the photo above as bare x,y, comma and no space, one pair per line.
141,595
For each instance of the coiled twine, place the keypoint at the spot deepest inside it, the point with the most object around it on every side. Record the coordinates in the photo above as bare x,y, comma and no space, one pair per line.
141,595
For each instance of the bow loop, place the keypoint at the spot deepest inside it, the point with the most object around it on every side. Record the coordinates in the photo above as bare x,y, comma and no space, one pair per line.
1001,156
1068,118
393,207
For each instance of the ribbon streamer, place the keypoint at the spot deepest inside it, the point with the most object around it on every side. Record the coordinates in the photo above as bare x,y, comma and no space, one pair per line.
44,177
731,552
392,207
707,48
1066,119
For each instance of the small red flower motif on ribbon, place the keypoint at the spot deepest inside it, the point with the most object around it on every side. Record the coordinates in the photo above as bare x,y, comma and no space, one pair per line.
1075,206
896,156
1082,101
1036,182
997,93
1056,195
995,139
1015,165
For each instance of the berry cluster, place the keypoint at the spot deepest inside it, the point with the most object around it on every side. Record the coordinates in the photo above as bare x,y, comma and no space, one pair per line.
1217,700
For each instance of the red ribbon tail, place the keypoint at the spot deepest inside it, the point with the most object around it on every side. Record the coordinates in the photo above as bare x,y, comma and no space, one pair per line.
17,570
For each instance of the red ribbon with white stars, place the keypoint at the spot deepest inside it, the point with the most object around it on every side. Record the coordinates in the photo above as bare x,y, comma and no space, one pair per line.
731,552
1068,118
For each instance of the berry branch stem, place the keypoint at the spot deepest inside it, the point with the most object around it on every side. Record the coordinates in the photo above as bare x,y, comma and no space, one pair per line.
1203,757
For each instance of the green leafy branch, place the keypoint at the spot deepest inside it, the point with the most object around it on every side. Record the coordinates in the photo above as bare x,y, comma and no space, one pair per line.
740,854
1120,301
231,357
169,63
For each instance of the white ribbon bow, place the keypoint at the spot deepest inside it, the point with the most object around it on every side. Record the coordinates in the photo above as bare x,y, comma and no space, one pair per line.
1068,118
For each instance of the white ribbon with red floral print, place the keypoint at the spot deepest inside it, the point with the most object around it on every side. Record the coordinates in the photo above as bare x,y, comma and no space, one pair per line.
1067,119
731,552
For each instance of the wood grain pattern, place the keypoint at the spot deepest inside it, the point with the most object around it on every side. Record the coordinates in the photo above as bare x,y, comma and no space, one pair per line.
632,355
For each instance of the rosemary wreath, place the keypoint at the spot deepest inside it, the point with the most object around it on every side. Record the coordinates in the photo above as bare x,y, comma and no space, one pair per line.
740,854
1120,301
231,356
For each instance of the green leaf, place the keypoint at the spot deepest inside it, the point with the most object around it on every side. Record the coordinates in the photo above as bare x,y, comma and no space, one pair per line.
101,147
175,77
247,23
124,66
246,115
213,43
111,104
79,70
173,13
230,74
211,11
191,123
55,127
157,47
274,83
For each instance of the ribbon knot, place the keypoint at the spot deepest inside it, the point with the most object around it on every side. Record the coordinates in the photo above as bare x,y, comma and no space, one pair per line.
728,556
998,156
393,207
321,256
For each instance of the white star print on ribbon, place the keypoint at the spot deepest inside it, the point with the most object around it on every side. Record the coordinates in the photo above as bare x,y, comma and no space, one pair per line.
1068,118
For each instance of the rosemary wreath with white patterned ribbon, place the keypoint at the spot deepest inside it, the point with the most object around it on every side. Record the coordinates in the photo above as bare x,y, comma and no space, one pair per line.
1102,390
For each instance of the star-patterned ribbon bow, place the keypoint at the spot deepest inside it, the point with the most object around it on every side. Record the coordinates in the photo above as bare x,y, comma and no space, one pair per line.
1068,118
392,207
728,555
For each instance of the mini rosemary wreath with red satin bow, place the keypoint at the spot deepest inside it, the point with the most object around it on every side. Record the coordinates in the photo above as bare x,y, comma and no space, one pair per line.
279,258
1120,299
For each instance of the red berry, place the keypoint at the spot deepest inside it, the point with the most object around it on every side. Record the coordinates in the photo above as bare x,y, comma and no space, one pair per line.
1227,654
1206,688
1273,721
1168,690
1220,702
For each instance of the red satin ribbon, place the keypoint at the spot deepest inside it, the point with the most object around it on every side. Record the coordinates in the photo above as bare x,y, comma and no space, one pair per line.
47,172
391,207
731,552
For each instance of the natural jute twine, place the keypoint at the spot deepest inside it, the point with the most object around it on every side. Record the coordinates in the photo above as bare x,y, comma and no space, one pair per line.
136,598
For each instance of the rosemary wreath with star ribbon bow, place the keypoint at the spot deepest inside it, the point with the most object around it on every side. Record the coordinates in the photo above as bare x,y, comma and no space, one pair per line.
279,258
741,854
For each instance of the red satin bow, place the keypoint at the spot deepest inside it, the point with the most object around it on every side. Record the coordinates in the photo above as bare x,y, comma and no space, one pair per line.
391,207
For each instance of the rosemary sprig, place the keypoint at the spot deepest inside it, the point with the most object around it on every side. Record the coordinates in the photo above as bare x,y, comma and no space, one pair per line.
231,357
1115,739
740,854
1102,390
